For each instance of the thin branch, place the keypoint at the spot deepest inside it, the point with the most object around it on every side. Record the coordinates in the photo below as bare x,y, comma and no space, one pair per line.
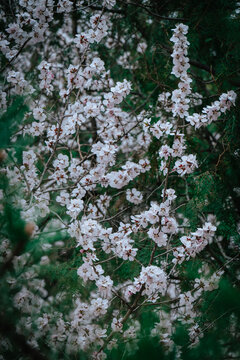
17,54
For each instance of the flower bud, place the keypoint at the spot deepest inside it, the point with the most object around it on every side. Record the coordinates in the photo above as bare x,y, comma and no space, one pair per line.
29,229
3,155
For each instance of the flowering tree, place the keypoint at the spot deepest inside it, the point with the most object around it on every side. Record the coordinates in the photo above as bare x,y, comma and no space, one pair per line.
106,201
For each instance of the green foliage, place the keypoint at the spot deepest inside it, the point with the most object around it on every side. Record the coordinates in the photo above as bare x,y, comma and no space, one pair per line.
10,119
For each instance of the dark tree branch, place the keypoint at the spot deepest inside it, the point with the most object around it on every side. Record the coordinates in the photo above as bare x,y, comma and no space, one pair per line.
149,11
100,8
14,58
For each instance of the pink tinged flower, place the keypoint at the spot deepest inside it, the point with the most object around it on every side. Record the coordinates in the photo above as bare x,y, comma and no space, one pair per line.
154,280
186,165
157,236
104,284
134,196
74,207
186,299
169,225
117,325
165,152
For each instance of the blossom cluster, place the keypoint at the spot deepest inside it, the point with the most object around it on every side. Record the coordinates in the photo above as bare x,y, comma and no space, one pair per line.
86,177
213,112
194,243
